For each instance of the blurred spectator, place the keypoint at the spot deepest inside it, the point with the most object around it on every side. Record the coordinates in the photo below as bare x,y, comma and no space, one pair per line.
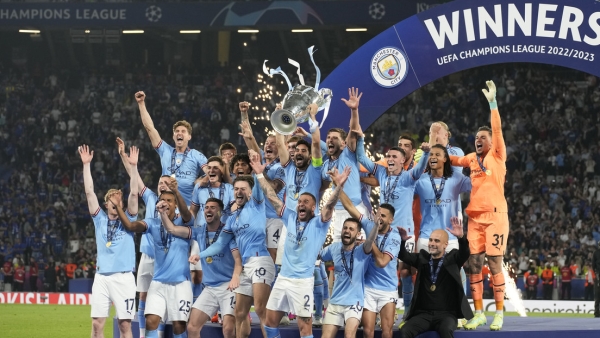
590,277
566,275
19,278
62,283
33,275
8,271
548,282
532,280
79,273
50,277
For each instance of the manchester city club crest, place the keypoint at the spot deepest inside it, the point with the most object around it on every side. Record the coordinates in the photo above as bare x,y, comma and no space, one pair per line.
389,67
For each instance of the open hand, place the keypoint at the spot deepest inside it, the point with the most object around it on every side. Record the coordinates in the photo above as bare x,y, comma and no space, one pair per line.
134,154
490,94
300,132
255,163
457,227
86,154
353,98
120,145
403,234
339,178
246,130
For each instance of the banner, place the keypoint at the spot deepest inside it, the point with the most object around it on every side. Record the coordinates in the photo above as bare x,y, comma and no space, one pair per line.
47,298
544,306
205,15
460,35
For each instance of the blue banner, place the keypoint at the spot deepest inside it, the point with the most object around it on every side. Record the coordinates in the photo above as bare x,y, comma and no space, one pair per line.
461,35
205,15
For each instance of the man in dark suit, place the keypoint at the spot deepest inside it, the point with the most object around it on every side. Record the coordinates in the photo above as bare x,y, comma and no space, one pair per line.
439,298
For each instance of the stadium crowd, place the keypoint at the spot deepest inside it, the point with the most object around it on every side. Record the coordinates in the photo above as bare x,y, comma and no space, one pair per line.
550,121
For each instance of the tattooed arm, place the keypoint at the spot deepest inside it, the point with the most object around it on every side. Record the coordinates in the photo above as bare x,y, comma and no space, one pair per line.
339,180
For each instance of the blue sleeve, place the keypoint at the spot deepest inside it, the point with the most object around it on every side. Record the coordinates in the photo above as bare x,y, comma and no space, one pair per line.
202,161
417,171
361,155
367,224
163,148
326,254
257,193
233,245
392,245
465,185
321,143
323,171
196,195
217,246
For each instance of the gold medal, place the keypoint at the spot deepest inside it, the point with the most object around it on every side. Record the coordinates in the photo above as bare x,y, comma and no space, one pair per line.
488,172
108,244
438,201
432,288
296,196
209,260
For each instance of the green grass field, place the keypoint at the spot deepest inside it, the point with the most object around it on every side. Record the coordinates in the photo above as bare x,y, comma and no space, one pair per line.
63,321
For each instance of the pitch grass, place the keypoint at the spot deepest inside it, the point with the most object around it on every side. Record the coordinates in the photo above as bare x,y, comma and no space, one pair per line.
64,321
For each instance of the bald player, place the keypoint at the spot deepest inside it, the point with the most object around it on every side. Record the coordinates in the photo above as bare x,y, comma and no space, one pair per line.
487,211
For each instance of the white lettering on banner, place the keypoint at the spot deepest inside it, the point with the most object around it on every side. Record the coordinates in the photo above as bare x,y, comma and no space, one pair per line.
571,19
44,298
63,14
545,306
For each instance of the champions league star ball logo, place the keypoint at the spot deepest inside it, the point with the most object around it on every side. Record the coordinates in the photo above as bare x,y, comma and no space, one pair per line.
377,11
153,13
389,67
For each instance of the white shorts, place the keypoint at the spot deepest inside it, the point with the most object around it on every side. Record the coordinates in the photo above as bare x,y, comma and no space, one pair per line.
338,223
281,246
145,273
215,298
274,226
116,288
423,244
375,299
170,301
257,270
293,295
195,251
339,314
410,246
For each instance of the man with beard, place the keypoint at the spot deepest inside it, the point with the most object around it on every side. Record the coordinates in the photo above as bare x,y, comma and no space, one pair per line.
114,282
381,279
245,219
340,150
180,162
274,175
439,297
397,189
350,261
294,285
221,271
170,293
488,212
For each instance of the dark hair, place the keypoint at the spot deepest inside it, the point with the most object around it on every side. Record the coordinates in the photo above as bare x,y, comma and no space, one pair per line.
304,142
338,130
226,146
447,165
413,144
310,195
399,150
216,200
353,220
215,159
245,178
167,192
388,207
239,157
485,128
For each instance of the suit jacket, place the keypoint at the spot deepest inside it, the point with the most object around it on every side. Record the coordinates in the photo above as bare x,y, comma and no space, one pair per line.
453,261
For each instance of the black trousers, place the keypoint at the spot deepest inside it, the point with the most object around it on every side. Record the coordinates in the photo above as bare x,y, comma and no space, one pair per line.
597,297
444,322
566,290
547,291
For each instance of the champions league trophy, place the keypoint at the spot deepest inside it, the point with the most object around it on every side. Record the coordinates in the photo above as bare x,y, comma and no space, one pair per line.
294,106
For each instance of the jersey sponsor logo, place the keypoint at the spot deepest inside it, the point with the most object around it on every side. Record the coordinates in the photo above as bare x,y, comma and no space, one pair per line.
180,173
389,67
434,201
240,230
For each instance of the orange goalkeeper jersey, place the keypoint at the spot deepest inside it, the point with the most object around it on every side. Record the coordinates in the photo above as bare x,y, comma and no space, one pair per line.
487,194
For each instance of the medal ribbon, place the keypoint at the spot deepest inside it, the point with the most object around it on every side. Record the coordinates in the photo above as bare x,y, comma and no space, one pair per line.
111,229
221,191
215,237
298,180
434,276
412,163
438,193
270,165
383,240
480,162
345,264
332,163
300,230
389,191
165,238
173,168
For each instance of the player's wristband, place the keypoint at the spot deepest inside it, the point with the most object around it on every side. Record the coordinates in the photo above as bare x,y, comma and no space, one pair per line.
313,125
494,104
260,176
317,162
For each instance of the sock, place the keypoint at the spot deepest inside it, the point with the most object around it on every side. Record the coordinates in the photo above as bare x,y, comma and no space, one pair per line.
197,290
272,332
463,278
182,335
311,336
152,334
141,318
499,291
318,294
476,281
161,330
407,292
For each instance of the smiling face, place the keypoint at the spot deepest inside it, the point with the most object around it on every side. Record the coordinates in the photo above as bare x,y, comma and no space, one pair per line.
162,184
181,136
437,158
241,168
385,219
305,208
270,149
395,161
483,142
214,172
335,144
212,213
241,192
302,157
438,241
349,232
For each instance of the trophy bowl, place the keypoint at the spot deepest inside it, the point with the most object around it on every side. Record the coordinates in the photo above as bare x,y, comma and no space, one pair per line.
294,108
